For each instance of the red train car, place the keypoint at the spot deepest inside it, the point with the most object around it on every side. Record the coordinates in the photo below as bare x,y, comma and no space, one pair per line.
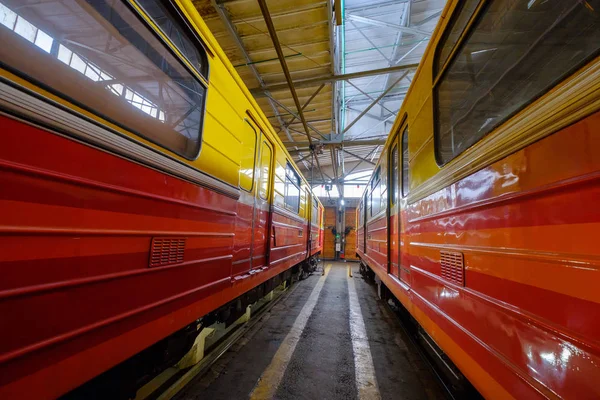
481,216
143,193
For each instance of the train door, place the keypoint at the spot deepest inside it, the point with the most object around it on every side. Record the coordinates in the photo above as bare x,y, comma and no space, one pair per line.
262,204
244,223
309,221
364,219
256,171
404,169
394,211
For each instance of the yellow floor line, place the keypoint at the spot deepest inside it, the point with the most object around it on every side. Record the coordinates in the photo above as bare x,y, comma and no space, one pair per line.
271,377
366,382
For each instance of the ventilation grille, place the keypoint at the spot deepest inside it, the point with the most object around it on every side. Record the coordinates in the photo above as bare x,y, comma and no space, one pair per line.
453,268
166,251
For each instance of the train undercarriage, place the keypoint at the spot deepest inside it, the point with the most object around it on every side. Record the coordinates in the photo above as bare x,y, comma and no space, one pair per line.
188,345
456,385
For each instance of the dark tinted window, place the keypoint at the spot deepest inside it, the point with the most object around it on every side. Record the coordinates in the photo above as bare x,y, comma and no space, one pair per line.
248,138
360,215
265,170
516,51
405,164
315,212
291,198
394,175
100,55
164,16
375,193
463,13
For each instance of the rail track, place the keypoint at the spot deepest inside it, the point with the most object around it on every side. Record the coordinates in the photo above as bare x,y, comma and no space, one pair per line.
174,380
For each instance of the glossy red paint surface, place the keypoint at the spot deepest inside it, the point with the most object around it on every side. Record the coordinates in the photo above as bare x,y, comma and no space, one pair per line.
289,237
77,295
527,226
377,241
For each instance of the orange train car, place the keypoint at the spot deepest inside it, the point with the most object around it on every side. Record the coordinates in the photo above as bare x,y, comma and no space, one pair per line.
482,217
142,193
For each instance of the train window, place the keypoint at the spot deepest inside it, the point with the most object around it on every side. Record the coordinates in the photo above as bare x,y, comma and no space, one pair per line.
376,199
367,204
383,196
514,53
463,13
166,19
394,175
405,164
291,198
315,212
248,139
360,213
376,176
375,193
102,57
265,170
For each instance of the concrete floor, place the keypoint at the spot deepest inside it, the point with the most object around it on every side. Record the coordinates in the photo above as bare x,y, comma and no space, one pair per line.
329,338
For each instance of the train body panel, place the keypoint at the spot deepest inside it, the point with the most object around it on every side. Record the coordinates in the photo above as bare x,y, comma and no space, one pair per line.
111,241
492,248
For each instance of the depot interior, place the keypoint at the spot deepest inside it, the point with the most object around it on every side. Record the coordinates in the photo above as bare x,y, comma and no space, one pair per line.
351,77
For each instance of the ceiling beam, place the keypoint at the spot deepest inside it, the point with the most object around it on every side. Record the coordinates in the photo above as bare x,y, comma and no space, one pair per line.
359,157
288,77
373,45
368,96
341,182
371,21
381,96
393,96
427,19
288,123
403,22
375,5
297,9
360,162
225,18
298,161
318,132
382,122
223,14
331,78
338,12
313,121
369,142
345,143
378,118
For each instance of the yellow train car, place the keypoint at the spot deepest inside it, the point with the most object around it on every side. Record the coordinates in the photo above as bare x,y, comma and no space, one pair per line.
481,216
144,193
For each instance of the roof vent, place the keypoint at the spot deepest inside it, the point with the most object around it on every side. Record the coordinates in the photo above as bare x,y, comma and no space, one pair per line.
453,267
